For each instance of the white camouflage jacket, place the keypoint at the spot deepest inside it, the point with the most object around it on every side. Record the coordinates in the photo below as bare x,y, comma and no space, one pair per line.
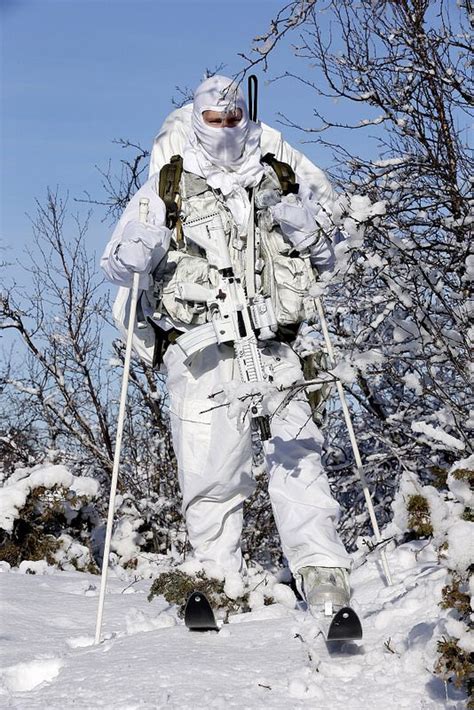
284,274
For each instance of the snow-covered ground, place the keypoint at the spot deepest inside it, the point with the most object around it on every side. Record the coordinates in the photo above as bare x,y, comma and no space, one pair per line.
273,657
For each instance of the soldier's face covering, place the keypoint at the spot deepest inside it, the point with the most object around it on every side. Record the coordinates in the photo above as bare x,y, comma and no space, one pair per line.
224,145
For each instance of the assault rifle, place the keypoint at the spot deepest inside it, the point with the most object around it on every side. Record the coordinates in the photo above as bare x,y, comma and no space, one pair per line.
234,318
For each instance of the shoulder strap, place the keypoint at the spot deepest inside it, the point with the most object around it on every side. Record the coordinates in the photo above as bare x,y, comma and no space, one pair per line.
284,172
170,176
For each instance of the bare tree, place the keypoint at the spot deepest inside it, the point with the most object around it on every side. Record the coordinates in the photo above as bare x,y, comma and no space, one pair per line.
60,322
119,187
399,302
61,399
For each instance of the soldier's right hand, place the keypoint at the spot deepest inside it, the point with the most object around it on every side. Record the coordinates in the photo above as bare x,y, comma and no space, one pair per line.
136,246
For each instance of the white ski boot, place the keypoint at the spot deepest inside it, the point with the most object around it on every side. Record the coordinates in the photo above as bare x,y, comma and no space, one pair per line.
325,589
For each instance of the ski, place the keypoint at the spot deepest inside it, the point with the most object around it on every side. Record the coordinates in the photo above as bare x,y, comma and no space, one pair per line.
198,614
344,626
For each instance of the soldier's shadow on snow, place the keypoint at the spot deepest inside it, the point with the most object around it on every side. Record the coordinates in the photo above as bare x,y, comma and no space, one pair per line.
443,692
420,635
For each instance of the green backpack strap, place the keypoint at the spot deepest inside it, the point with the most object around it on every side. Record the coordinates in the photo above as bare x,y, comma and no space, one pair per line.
170,176
285,174
168,190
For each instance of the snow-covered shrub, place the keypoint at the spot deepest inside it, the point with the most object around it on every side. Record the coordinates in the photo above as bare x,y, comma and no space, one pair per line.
228,593
419,516
456,647
47,513
457,664
176,586
446,516
59,391
146,530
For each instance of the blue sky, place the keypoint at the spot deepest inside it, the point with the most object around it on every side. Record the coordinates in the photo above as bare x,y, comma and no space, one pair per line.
77,74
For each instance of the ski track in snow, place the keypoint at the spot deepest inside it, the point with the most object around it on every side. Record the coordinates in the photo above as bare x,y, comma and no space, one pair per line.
271,658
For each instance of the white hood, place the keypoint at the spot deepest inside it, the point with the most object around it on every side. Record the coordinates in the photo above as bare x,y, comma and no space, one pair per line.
223,146
227,158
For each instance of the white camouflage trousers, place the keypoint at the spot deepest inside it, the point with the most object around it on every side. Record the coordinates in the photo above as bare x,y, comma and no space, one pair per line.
215,465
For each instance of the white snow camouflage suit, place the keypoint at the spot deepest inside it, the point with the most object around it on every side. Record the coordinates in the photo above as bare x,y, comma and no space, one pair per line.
214,455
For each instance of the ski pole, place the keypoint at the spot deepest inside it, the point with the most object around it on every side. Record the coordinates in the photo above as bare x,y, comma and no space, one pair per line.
355,447
143,214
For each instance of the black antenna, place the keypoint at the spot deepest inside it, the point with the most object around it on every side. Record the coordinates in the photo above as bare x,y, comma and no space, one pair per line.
253,96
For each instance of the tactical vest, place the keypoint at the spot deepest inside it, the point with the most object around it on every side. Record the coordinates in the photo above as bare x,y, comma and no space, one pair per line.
284,275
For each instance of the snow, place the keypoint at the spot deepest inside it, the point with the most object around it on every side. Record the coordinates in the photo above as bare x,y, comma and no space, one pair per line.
284,595
35,567
461,545
461,489
234,586
344,372
256,600
405,329
272,657
412,381
408,486
27,676
363,360
437,434
361,208
391,162
71,554
126,539
469,276
458,630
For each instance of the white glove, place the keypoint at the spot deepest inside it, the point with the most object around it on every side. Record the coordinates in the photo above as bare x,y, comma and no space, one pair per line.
296,221
136,247
267,198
